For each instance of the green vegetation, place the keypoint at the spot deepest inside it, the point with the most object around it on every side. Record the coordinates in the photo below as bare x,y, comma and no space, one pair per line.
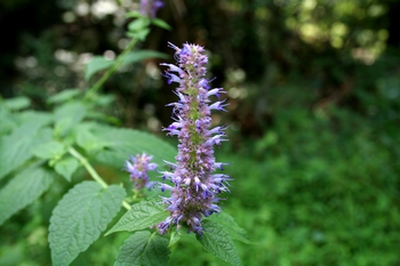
314,115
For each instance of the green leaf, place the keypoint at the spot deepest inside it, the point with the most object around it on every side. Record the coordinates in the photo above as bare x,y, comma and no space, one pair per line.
175,237
66,167
68,116
23,189
121,143
88,140
229,224
161,23
64,96
141,216
138,24
142,248
79,218
49,150
97,64
16,147
17,103
218,242
138,56
133,14
140,34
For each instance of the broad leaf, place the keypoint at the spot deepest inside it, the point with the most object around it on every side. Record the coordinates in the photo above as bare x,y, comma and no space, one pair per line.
68,116
17,103
230,226
16,148
121,143
139,34
218,242
23,189
49,150
143,248
64,96
138,24
141,216
88,140
161,23
137,56
175,237
66,167
80,217
97,64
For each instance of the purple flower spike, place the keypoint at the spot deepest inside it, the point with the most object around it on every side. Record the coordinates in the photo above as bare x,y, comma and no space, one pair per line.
138,167
196,188
149,8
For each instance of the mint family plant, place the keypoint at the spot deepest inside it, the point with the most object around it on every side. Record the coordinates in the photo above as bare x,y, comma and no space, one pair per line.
37,148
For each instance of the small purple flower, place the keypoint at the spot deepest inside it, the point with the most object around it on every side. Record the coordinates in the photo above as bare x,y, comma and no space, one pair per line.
149,8
138,167
196,188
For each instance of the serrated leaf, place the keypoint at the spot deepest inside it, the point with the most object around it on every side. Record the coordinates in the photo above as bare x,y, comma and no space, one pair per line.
79,218
97,64
17,103
64,96
137,56
49,150
23,189
141,216
142,248
218,242
229,224
66,167
161,23
16,148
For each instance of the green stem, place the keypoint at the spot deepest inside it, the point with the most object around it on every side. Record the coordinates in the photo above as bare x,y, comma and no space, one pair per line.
92,171
111,70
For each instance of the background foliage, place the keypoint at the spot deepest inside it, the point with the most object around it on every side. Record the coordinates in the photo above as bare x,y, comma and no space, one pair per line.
314,91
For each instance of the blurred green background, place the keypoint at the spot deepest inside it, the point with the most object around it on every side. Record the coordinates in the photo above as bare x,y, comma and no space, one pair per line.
314,117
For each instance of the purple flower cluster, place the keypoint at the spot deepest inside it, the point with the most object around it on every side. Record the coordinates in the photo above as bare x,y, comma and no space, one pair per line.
149,8
138,167
195,189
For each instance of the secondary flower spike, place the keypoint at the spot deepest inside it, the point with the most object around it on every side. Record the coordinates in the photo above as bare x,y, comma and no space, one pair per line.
138,167
196,188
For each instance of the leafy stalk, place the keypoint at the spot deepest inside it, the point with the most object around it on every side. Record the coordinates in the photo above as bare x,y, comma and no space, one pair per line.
92,171
111,70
